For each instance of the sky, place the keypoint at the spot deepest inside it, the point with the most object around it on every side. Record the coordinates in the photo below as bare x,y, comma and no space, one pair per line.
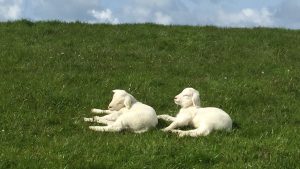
222,13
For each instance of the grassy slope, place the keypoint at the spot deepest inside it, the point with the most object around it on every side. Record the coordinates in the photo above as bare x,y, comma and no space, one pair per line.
52,74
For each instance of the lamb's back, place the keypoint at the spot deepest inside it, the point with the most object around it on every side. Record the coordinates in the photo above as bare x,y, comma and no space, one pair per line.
213,117
140,116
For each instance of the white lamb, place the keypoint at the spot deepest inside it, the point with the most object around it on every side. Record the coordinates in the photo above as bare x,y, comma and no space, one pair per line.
205,120
125,112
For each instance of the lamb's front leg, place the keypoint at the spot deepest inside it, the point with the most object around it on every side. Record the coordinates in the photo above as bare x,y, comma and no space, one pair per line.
182,133
107,119
102,120
172,126
166,117
193,133
98,120
88,119
109,128
100,111
113,116
176,124
179,121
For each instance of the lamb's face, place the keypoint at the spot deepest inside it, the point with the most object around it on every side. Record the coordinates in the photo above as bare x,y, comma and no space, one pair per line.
117,101
187,98
120,100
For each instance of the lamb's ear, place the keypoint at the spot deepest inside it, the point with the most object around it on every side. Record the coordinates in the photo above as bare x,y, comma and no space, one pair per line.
196,99
127,102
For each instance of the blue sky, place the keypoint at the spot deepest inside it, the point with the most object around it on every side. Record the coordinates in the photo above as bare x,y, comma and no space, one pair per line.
224,13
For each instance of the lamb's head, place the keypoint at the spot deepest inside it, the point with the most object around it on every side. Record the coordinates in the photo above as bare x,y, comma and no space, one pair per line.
121,99
187,98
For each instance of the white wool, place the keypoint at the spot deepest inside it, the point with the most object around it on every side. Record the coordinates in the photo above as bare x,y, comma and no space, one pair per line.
125,112
205,120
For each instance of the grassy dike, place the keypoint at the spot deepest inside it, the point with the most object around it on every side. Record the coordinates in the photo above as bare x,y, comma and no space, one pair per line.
53,73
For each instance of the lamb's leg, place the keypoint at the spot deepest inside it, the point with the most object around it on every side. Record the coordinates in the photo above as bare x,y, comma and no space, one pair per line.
141,131
88,119
109,128
176,124
102,120
110,117
114,127
172,126
166,117
179,121
193,133
100,111
98,120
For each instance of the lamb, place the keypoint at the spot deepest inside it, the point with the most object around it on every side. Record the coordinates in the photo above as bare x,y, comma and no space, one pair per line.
205,120
124,112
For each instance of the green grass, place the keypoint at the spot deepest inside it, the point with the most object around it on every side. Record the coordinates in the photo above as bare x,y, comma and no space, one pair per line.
52,74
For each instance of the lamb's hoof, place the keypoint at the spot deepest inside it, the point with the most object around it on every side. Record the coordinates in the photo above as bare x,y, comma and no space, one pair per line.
159,116
175,131
165,130
178,132
88,119
93,128
140,131
181,134
97,118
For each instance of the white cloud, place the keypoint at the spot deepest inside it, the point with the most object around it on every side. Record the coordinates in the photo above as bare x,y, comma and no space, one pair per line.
235,13
136,14
66,10
10,10
153,11
151,3
287,14
13,12
104,16
140,14
245,17
161,18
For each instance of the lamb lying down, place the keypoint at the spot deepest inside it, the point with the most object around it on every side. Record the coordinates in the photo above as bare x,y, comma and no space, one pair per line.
124,112
205,120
